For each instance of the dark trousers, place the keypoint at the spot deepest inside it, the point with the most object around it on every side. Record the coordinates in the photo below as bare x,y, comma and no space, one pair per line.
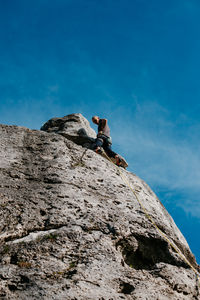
103,142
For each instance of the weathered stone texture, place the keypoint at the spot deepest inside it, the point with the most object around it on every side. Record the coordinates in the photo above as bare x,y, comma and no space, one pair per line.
71,229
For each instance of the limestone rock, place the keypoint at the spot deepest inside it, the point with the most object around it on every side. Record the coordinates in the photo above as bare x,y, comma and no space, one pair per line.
74,127
71,229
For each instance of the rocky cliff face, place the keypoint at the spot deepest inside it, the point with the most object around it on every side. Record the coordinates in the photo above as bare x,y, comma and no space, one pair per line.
71,229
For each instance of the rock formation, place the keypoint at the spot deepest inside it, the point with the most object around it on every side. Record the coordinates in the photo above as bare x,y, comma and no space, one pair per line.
70,228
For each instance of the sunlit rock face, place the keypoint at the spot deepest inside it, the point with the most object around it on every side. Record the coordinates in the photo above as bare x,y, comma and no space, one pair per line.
70,228
74,127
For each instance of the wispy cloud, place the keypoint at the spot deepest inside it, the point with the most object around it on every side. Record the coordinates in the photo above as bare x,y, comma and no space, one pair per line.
163,150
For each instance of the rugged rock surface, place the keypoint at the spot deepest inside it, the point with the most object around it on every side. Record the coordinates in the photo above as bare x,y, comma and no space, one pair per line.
74,127
71,229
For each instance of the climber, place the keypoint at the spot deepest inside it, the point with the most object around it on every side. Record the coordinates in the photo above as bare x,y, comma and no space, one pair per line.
103,139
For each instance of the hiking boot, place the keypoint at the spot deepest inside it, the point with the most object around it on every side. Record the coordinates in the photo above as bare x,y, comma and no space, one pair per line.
118,160
98,150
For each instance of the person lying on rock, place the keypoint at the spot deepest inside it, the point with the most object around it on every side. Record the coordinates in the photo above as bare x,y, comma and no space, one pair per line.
103,139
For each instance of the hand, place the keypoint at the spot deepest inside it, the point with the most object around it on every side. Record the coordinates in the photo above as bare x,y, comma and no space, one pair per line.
100,133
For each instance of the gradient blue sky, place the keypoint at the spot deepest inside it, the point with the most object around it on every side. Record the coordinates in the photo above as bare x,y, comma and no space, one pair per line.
135,62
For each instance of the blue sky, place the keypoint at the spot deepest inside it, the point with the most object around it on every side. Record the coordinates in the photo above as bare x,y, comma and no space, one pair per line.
135,62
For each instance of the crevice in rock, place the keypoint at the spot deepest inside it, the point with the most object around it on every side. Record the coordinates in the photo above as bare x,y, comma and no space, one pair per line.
12,287
14,259
70,273
126,288
24,279
42,212
52,180
93,283
144,252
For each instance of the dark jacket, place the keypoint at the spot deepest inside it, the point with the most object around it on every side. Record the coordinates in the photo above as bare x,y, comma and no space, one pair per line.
103,128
